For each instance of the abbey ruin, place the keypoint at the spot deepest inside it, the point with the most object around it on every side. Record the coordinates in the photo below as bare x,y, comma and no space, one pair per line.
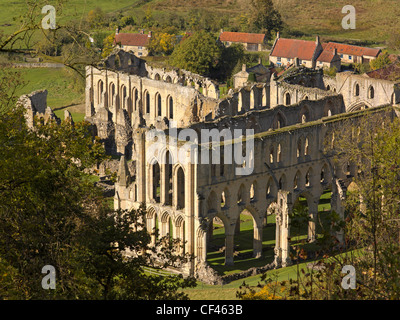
293,117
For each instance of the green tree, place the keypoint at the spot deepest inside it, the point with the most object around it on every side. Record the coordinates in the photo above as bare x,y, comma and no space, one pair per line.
265,18
162,43
382,61
52,214
199,53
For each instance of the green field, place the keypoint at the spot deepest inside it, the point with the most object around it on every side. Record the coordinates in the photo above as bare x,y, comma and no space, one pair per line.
64,90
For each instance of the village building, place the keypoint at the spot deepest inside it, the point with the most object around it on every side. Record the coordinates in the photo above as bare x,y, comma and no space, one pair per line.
286,52
250,41
329,59
352,54
136,42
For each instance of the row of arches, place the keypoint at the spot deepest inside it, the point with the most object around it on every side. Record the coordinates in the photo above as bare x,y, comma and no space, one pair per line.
166,182
370,91
129,100
165,224
265,188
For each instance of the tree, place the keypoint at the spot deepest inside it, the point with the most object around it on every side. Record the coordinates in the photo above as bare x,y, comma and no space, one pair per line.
199,53
382,61
265,18
162,43
52,214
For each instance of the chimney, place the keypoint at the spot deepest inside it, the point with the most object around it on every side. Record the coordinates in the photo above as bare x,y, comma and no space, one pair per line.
117,31
244,67
317,41
278,34
142,31
259,60
222,30
150,34
334,51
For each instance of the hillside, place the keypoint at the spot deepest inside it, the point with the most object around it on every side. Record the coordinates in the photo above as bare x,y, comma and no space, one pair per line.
376,20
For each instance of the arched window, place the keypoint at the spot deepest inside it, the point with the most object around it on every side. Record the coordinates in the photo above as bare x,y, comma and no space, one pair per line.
100,90
306,147
287,99
371,92
135,98
170,107
279,154
156,177
299,148
271,155
328,87
147,102
357,90
111,94
158,105
124,95
180,188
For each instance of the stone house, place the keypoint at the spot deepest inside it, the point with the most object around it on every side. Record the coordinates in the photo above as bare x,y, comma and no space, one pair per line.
136,42
329,59
353,54
285,52
250,41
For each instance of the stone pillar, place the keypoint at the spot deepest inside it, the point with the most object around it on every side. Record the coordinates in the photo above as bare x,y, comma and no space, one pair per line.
229,249
257,241
313,211
139,138
284,208
337,199
89,91
190,202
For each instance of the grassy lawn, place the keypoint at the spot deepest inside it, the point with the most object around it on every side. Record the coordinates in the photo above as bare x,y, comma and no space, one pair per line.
63,89
244,240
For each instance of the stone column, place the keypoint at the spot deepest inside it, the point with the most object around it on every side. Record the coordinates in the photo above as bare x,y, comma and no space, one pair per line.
285,206
141,165
89,91
229,249
313,214
257,241
337,199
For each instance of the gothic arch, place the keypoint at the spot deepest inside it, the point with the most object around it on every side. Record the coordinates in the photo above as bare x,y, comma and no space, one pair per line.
279,121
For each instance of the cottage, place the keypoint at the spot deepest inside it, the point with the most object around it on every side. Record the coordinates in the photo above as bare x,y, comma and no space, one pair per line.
136,42
286,51
250,41
353,54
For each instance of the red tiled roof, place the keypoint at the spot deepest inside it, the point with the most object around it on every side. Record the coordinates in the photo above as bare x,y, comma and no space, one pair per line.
242,37
352,50
293,48
326,56
132,39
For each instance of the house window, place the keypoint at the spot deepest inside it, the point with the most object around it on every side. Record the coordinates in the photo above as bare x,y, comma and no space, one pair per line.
279,59
140,54
350,57
341,56
140,48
